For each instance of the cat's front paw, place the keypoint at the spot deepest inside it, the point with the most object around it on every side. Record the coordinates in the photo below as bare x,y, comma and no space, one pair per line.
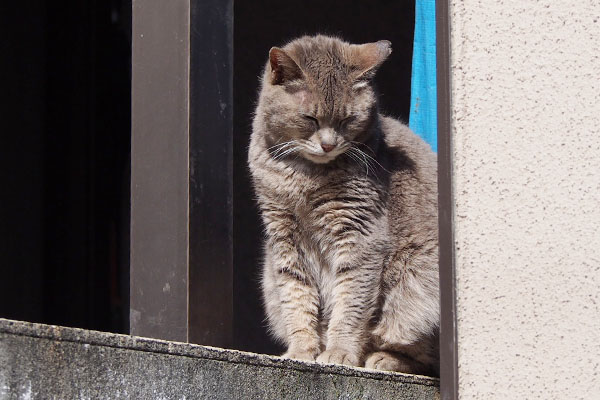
385,361
338,356
300,355
382,360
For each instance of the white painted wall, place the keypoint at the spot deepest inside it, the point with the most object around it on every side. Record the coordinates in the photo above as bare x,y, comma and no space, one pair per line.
526,131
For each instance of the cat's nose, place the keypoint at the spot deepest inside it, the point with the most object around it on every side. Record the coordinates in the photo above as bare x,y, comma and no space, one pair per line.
327,147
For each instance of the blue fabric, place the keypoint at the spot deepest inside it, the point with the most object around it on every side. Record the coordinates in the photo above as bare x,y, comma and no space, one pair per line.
423,102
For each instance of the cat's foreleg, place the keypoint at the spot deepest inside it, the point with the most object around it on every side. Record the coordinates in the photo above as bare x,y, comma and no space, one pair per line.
294,290
299,309
354,299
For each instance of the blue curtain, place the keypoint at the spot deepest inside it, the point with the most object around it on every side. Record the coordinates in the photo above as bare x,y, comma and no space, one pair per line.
423,102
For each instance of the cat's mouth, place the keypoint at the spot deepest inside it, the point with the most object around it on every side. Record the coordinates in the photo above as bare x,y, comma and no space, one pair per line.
323,157
318,159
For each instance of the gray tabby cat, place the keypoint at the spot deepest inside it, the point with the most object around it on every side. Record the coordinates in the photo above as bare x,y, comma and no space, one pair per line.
349,204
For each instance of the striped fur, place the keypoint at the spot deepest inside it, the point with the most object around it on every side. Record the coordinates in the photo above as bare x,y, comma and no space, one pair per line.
350,268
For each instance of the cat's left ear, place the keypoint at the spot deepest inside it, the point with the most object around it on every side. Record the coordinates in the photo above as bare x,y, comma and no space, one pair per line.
368,57
283,67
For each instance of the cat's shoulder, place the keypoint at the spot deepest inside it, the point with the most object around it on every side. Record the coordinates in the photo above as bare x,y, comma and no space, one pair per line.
408,150
401,140
398,135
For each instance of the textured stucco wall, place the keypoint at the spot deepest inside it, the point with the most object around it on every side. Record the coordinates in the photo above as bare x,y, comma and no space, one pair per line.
526,130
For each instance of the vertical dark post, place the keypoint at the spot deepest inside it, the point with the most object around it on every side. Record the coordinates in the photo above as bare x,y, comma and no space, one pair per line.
211,168
159,169
181,210
448,339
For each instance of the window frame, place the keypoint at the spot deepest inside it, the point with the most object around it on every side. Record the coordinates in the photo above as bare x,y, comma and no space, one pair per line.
174,181
448,333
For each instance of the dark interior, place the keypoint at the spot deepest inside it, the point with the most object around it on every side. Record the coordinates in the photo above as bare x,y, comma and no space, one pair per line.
258,26
65,156
65,162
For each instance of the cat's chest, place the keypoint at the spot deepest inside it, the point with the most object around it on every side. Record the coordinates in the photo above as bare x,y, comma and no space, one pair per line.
328,204
340,207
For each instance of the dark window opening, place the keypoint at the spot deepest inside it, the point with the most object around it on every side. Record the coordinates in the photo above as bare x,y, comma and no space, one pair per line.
65,163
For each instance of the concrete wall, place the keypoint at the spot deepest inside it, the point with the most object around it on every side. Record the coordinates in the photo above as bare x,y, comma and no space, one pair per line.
526,130
50,362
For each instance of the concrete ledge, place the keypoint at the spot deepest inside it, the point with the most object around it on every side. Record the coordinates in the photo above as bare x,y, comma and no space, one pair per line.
42,361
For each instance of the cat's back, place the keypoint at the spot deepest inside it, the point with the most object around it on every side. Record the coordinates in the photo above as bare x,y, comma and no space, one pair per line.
409,147
413,180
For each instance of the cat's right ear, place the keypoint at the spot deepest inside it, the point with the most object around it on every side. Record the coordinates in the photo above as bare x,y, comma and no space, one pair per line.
283,68
368,57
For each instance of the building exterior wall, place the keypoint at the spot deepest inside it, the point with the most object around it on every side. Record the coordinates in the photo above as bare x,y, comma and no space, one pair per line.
526,131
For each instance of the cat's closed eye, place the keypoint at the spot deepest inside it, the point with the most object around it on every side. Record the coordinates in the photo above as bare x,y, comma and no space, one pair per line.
343,124
313,120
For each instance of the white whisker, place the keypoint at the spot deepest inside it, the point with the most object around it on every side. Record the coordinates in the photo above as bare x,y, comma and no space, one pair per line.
372,160
278,145
282,149
366,161
286,152
358,159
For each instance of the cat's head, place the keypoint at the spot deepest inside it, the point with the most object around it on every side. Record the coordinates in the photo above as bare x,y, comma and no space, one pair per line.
317,98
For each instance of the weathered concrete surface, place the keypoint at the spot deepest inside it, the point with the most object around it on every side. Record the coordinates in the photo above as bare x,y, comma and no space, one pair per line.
46,362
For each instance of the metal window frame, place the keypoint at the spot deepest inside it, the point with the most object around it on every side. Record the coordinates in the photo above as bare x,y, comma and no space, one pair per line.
448,334
177,186
159,169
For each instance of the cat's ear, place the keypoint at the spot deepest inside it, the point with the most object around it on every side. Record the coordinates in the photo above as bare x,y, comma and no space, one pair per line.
368,57
283,68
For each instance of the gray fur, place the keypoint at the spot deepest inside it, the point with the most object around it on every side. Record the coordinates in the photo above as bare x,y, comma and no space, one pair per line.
349,208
